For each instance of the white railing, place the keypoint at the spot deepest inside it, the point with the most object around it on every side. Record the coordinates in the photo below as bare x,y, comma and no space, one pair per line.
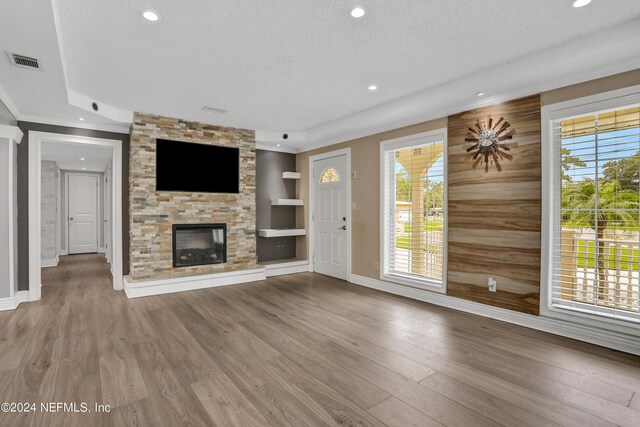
603,273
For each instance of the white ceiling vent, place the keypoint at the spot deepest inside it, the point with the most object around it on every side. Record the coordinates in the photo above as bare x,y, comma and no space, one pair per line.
214,109
24,61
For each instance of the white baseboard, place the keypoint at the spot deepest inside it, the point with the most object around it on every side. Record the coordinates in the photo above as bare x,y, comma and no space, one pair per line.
63,252
49,262
14,302
288,267
102,250
135,289
598,336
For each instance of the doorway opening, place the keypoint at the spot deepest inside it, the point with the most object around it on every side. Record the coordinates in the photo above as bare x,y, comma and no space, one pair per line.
75,194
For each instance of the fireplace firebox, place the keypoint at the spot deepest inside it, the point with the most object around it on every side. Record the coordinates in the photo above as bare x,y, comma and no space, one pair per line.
199,244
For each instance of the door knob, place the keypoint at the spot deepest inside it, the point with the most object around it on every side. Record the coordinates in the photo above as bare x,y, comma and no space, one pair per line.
344,227
71,219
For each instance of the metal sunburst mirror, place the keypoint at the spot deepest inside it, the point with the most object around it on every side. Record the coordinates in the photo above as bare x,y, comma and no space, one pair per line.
489,140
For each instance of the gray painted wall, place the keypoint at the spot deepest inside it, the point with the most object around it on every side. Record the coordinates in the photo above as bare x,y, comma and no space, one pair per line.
6,118
23,191
270,185
4,220
49,210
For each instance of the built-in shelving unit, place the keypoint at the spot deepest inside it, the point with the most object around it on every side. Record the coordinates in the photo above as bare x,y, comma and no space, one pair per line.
290,175
287,202
281,232
289,265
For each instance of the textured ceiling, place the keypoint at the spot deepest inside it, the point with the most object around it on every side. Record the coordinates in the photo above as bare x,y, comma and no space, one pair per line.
303,65
291,64
67,156
29,29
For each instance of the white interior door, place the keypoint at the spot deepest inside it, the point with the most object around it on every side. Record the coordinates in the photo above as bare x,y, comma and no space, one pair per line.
82,195
330,182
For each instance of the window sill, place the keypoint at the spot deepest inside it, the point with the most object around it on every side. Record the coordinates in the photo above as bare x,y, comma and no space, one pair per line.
425,284
601,322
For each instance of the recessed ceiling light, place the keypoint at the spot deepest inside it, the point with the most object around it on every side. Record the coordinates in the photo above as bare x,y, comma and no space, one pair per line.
357,12
150,16
278,145
581,3
84,169
82,158
480,94
81,119
372,87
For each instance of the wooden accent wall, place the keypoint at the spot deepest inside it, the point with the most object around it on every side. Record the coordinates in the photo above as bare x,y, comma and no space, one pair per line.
494,216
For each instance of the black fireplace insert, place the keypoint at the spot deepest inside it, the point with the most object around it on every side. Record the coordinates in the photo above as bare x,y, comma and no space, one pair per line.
199,244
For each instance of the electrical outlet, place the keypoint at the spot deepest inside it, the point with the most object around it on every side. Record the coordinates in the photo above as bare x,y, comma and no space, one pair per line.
492,284
376,266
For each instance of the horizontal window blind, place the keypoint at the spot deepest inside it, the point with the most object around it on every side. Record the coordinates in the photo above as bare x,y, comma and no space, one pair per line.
414,212
596,239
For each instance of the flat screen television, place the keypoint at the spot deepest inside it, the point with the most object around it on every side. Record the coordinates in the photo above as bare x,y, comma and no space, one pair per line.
196,168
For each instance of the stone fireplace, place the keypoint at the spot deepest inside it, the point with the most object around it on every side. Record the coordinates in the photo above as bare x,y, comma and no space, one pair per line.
152,215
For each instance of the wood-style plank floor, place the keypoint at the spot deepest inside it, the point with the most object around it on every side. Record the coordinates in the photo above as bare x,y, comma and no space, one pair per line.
295,350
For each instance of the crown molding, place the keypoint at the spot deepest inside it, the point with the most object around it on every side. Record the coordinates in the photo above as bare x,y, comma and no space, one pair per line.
116,128
12,133
273,147
21,117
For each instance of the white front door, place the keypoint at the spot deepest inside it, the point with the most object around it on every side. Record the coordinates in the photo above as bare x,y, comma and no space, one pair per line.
83,213
330,182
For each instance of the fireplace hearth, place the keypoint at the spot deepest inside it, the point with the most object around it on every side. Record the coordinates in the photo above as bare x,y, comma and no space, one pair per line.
199,244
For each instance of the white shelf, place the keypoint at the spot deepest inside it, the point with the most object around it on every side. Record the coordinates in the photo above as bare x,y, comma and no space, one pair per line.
287,202
280,232
290,175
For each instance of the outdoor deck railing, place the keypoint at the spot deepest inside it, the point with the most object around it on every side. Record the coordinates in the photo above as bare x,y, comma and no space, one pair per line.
603,273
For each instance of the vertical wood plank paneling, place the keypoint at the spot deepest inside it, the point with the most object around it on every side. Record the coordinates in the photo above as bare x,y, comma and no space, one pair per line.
492,206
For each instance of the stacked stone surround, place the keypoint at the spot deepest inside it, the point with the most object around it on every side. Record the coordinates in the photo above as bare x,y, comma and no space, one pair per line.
152,213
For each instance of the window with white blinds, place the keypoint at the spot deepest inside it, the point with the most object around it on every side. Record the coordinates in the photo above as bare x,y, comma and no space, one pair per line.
596,234
413,205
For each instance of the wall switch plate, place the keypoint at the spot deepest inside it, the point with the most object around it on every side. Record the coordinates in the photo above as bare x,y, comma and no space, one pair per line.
376,266
353,174
492,284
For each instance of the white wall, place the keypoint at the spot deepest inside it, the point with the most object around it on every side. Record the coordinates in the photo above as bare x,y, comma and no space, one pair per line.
50,215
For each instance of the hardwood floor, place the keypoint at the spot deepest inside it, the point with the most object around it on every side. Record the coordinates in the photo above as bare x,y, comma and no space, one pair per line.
295,350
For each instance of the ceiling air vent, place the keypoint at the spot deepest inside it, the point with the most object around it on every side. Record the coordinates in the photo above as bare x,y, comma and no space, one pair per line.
24,61
214,109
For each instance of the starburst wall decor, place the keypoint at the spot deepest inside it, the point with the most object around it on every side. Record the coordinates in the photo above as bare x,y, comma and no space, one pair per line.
489,141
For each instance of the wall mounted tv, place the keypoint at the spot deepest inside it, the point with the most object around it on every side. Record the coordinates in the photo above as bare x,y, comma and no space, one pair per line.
196,168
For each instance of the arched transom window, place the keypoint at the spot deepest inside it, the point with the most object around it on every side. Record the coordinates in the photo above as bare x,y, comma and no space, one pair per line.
330,175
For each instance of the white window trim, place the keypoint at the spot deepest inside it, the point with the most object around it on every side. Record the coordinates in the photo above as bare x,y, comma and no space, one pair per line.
562,110
403,142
